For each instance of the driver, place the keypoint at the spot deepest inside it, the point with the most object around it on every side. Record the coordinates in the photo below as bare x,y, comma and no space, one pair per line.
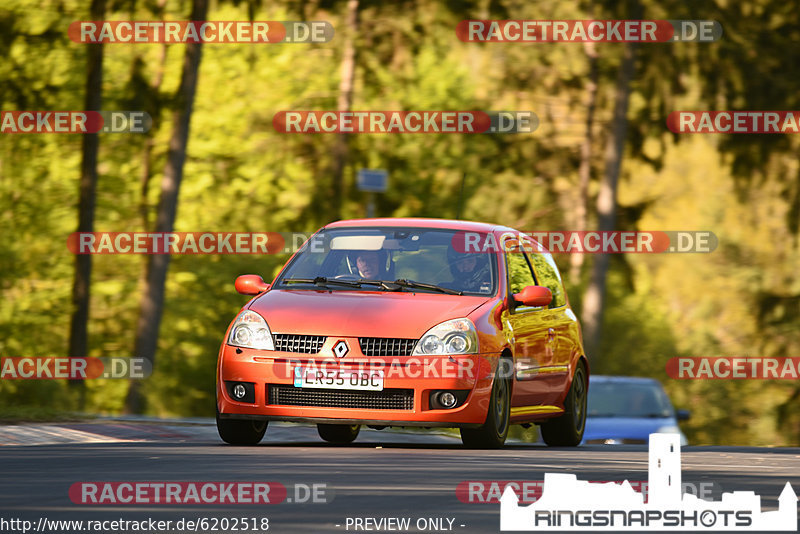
470,271
368,264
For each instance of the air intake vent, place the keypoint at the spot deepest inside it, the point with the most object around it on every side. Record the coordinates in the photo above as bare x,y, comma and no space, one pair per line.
386,346
388,399
298,343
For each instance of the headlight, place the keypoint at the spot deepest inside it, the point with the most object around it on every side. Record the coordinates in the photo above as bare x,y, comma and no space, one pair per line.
457,336
250,330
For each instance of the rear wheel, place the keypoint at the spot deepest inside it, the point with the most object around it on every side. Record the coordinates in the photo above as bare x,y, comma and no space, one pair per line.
241,431
566,430
493,433
340,434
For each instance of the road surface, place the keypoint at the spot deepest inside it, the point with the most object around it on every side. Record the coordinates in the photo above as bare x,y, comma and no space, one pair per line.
382,482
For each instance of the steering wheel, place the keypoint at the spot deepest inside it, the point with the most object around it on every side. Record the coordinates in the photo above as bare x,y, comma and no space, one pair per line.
479,274
345,277
447,270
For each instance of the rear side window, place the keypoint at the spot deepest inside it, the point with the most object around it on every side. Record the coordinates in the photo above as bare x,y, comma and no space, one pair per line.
548,276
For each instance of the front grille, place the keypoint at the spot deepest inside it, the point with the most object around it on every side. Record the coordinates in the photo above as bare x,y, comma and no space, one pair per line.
298,343
388,399
386,346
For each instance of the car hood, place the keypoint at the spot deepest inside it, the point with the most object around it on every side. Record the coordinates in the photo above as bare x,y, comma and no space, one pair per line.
625,427
360,313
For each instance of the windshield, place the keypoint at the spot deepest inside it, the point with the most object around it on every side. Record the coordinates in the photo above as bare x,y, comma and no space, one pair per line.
405,259
621,399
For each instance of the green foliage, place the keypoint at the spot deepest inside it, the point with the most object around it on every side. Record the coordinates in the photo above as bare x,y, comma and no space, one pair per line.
240,175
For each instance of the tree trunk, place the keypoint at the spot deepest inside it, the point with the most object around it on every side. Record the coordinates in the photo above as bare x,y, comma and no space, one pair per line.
595,296
147,151
585,169
78,335
344,103
152,296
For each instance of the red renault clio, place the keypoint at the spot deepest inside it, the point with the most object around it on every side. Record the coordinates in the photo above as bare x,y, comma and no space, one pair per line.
407,322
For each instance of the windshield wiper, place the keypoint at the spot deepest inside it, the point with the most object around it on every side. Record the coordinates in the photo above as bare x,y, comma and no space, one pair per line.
419,285
323,281
385,284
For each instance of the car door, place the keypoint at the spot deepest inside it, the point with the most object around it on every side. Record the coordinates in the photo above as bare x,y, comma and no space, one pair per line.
561,320
533,338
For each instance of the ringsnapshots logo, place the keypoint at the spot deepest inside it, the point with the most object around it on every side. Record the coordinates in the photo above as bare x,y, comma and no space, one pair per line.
567,503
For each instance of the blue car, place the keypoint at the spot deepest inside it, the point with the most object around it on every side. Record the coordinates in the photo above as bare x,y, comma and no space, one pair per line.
625,409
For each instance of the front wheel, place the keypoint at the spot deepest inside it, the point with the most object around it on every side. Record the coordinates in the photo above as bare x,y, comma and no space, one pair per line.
493,433
241,431
339,434
566,430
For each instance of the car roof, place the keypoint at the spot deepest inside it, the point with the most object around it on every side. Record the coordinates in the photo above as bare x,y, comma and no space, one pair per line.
414,222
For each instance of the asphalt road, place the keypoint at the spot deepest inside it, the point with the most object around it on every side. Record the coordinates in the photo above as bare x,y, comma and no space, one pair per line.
409,476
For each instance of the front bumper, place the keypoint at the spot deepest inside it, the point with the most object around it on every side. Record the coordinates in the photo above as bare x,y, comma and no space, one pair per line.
404,401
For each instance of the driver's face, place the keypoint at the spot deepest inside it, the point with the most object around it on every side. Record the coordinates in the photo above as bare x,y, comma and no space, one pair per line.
367,263
467,264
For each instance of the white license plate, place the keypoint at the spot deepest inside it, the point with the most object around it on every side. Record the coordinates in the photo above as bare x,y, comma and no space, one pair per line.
338,379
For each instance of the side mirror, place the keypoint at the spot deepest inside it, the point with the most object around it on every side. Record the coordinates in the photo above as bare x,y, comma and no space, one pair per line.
534,296
683,415
250,284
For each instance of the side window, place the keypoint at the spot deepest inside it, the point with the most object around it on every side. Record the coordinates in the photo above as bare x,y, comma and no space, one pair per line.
548,276
519,272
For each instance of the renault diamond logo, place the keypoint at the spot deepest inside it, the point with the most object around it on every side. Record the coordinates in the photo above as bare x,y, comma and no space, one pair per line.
341,348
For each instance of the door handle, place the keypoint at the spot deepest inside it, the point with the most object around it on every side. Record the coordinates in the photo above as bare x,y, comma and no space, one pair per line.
551,334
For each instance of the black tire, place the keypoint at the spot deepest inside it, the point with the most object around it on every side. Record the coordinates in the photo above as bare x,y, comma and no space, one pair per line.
339,434
241,431
493,433
567,429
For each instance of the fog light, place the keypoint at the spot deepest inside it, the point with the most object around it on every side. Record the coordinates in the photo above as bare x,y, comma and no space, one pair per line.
241,391
447,399
444,399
